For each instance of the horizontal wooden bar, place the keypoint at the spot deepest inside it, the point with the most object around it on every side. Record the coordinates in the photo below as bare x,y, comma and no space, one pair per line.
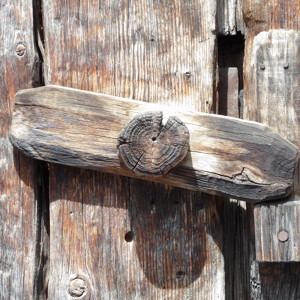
226,156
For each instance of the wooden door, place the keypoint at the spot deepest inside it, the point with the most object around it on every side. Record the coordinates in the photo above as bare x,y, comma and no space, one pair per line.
69,233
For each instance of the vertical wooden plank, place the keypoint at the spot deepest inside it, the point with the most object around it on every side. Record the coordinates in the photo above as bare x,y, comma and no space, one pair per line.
19,188
237,248
275,81
228,92
270,281
119,238
230,17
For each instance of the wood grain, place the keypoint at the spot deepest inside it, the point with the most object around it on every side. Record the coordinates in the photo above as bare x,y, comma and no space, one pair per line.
230,17
148,147
20,181
228,91
275,75
161,51
264,16
227,156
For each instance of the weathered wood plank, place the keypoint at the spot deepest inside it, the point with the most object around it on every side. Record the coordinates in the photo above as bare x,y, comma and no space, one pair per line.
157,50
226,156
228,91
230,17
275,82
19,176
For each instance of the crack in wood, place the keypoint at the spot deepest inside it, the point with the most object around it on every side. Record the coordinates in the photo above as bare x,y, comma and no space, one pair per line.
163,147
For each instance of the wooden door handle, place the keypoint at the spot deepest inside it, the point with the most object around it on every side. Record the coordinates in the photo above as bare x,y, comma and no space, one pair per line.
211,153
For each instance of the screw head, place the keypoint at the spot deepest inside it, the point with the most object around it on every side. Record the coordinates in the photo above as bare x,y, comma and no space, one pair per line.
20,50
262,66
283,236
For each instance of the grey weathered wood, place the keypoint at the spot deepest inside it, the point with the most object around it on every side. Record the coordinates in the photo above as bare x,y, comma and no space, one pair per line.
275,87
21,232
230,17
227,156
228,91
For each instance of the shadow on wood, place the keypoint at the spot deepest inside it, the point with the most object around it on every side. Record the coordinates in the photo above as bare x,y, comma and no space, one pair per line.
161,232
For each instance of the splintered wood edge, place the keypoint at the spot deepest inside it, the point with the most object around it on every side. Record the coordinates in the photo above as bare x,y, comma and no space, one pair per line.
226,156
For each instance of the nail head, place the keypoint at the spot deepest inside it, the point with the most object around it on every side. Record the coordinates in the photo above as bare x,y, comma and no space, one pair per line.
20,50
79,287
283,236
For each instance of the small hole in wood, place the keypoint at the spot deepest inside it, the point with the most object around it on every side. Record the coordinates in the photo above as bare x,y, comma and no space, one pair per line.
188,74
153,139
129,236
180,275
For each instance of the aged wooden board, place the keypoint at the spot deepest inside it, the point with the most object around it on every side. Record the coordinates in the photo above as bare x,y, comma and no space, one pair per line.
226,156
20,182
230,17
161,51
228,91
275,82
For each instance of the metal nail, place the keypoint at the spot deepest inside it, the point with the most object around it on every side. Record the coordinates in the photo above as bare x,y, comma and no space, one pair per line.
283,236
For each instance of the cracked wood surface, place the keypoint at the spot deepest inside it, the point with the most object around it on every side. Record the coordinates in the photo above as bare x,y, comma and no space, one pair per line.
20,184
147,147
272,98
227,156
275,79
161,51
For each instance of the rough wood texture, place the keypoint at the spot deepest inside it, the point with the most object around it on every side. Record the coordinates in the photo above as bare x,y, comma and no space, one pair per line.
275,82
228,91
227,156
20,187
230,17
148,147
157,50
273,281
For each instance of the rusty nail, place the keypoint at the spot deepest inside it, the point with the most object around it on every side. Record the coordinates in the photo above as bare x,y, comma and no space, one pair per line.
20,50
283,236
262,66
286,66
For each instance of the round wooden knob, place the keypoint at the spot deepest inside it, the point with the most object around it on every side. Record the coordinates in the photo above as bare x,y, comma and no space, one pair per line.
147,147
